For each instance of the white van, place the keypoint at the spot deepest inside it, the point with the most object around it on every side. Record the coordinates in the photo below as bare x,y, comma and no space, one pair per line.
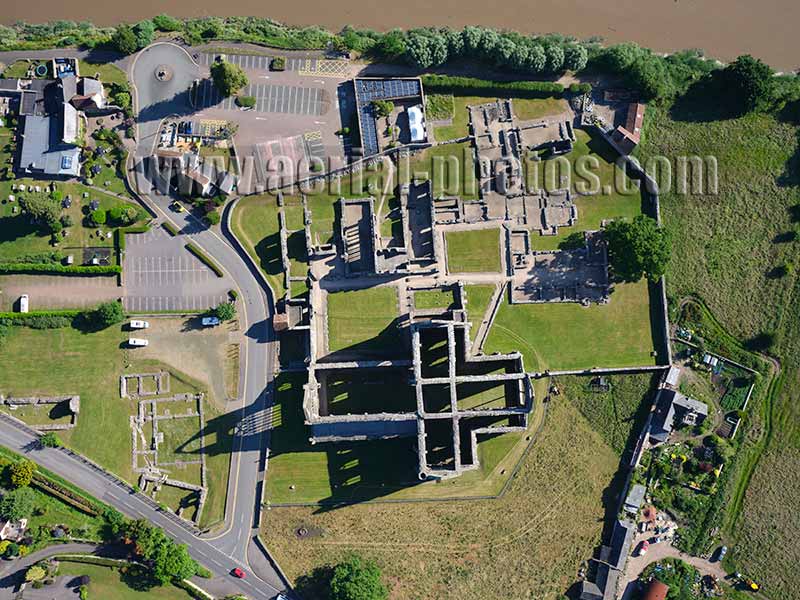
139,324
137,342
210,321
23,303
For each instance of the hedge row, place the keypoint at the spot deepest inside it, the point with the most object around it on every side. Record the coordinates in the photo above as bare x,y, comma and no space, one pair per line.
65,494
470,86
57,269
15,316
120,233
92,560
171,229
205,258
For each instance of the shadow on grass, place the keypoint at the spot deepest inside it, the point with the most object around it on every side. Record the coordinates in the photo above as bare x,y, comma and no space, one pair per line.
316,584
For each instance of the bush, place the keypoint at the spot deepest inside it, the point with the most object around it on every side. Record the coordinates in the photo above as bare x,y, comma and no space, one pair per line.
580,88
205,259
225,311
278,63
50,440
106,314
99,216
213,217
22,473
17,504
246,101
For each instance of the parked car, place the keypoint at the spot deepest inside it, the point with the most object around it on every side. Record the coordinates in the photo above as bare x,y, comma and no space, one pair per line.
237,572
177,207
723,550
210,321
23,303
139,324
137,342
643,547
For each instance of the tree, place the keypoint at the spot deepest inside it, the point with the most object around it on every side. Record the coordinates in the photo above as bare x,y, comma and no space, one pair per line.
167,23
225,311
107,314
383,108
228,78
575,57
639,247
125,40
555,58
99,216
116,521
50,440
213,217
172,561
391,45
42,209
357,579
17,504
144,30
22,473
35,573
537,59
749,84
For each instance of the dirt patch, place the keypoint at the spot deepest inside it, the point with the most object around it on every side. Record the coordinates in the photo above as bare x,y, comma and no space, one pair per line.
200,352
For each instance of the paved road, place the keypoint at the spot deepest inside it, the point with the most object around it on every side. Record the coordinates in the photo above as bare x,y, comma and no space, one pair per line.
133,505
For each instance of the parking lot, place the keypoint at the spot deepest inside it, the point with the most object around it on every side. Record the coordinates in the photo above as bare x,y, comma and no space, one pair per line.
303,66
272,98
161,275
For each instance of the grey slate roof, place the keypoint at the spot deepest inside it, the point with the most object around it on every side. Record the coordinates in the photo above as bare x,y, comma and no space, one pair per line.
635,499
669,403
42,150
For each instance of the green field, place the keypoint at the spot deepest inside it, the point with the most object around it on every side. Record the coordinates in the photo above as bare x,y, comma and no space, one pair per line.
567,336
364,322
726,256
18,237
255,224
473,251
526,530
89,364
109,582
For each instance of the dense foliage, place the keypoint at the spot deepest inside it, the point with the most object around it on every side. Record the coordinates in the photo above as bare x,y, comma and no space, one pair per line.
228,78
357,579
637,248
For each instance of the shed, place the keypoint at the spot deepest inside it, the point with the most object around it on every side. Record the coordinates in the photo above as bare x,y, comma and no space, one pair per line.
656,591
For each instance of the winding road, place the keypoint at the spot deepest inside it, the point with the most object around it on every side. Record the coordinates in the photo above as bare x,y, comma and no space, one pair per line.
236,545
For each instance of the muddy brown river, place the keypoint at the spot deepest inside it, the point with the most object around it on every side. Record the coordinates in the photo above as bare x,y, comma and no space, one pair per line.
723,28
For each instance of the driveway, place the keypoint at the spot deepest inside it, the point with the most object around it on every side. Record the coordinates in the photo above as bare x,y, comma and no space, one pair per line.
161,275
58,291
657,552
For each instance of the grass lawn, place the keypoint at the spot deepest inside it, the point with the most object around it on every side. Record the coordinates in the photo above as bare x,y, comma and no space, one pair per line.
608,203
223,156
255,224
89,364
108,73
473,251
524,109
450,168
109,582
616,414
570,336
19,238
541,530
370,392
19,69
478,298
439,106
425,299
364,321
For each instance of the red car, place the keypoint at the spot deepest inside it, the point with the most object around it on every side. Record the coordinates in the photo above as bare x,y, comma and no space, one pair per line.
237,572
